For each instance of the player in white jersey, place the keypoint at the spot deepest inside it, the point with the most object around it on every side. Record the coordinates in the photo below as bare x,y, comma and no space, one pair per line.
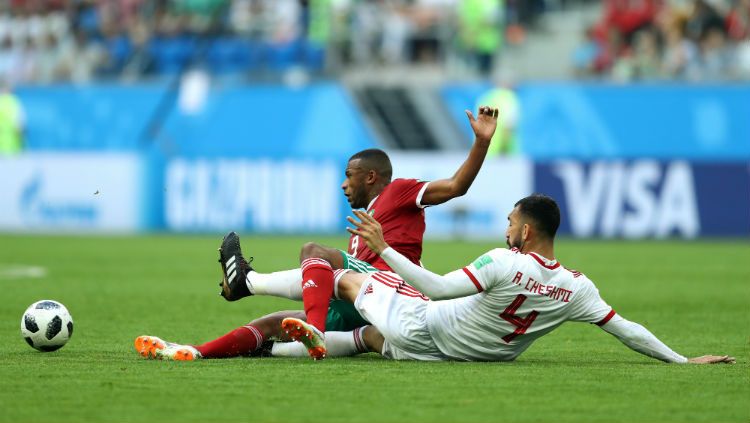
494,308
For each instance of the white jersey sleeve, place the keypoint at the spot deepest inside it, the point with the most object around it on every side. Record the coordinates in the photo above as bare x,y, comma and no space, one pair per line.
436,287
639,339
491,269
587,306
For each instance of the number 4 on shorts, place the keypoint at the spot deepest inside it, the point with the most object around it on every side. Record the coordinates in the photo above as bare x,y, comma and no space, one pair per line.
521,324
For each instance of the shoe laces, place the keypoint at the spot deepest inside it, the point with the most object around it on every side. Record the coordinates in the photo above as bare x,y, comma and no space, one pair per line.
245,264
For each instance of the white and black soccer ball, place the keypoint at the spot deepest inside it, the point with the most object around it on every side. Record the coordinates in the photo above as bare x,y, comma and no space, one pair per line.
46,325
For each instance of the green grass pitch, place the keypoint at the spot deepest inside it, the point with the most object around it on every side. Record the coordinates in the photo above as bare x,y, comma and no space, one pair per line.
695,296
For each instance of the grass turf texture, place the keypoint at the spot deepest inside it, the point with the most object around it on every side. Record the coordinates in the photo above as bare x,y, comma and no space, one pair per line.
693,295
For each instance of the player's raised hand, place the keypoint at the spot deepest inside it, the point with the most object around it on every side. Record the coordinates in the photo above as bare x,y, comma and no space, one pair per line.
712,359
485,124
369,229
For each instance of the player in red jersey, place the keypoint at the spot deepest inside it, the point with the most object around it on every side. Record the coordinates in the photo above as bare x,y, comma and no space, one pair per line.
398,205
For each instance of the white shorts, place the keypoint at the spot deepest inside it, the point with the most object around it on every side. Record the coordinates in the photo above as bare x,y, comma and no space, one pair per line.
399,312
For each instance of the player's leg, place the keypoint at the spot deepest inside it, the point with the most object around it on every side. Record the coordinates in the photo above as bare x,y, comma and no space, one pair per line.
285,283
309,334
349,285
238,342
288,283
338,344
399,318
317,264
373,339
343,336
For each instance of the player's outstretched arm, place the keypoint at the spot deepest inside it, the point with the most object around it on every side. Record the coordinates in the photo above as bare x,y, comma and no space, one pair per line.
712,359
639,339
434,286
442,190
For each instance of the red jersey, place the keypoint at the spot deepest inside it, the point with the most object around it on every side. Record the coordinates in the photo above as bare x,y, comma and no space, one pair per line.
399,211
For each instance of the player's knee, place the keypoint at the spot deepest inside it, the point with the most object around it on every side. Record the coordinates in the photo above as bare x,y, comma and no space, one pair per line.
315,250
270,324
310,249
349,285
373,339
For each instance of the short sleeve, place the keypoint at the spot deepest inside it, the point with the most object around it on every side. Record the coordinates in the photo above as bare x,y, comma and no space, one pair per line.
490,269
407,193
588,306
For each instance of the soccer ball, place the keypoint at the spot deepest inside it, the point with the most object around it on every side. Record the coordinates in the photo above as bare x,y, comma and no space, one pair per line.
46,325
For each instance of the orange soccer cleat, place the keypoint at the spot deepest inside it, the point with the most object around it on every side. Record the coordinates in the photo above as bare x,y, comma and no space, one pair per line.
311,337
152,347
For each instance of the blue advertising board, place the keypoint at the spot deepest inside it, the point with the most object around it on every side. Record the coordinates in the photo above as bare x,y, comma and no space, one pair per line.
646,198
316,121
606,121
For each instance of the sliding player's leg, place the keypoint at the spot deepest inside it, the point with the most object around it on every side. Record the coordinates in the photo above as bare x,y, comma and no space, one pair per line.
241,280
338,344
318,289
288,283
307,332
397,312
239,342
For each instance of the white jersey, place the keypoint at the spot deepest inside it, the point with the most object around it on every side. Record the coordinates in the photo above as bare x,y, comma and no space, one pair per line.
521,297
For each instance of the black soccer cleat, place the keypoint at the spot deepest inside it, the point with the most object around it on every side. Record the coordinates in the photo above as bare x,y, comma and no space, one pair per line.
234,267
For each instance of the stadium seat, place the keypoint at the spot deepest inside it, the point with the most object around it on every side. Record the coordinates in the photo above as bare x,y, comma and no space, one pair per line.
232,55
171,54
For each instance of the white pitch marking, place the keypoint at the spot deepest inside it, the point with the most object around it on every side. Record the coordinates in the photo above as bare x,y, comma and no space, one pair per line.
21,271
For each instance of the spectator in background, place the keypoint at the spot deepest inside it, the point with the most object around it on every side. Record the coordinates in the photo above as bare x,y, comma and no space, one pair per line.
82,58
11,121
716,55
702,19
646,55
628,16
480,29
680,53
738,27
585,55
505,141
738,21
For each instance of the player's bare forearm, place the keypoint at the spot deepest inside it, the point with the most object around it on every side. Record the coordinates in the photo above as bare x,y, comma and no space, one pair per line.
368,229
443,190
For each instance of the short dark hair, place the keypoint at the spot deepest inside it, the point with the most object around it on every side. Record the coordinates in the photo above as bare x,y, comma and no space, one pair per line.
543,210
375,159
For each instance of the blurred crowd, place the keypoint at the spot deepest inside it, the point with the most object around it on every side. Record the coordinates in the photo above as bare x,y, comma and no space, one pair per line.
691,40
77,40
44,41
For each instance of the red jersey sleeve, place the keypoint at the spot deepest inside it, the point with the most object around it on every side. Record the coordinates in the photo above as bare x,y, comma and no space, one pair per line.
406,193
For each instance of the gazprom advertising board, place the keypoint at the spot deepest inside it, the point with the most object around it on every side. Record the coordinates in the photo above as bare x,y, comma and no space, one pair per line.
257,195
66,192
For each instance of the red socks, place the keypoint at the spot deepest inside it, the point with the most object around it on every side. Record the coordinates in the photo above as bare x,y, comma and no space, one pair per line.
243,340
317,289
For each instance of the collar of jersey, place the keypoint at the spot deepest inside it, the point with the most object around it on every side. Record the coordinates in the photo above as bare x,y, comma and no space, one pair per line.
372,202
549,264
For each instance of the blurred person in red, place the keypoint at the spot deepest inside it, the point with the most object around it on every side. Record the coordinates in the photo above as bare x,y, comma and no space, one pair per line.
738,21
627,16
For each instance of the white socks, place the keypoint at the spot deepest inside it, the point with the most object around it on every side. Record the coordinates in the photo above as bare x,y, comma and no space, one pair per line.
338,344
285,284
